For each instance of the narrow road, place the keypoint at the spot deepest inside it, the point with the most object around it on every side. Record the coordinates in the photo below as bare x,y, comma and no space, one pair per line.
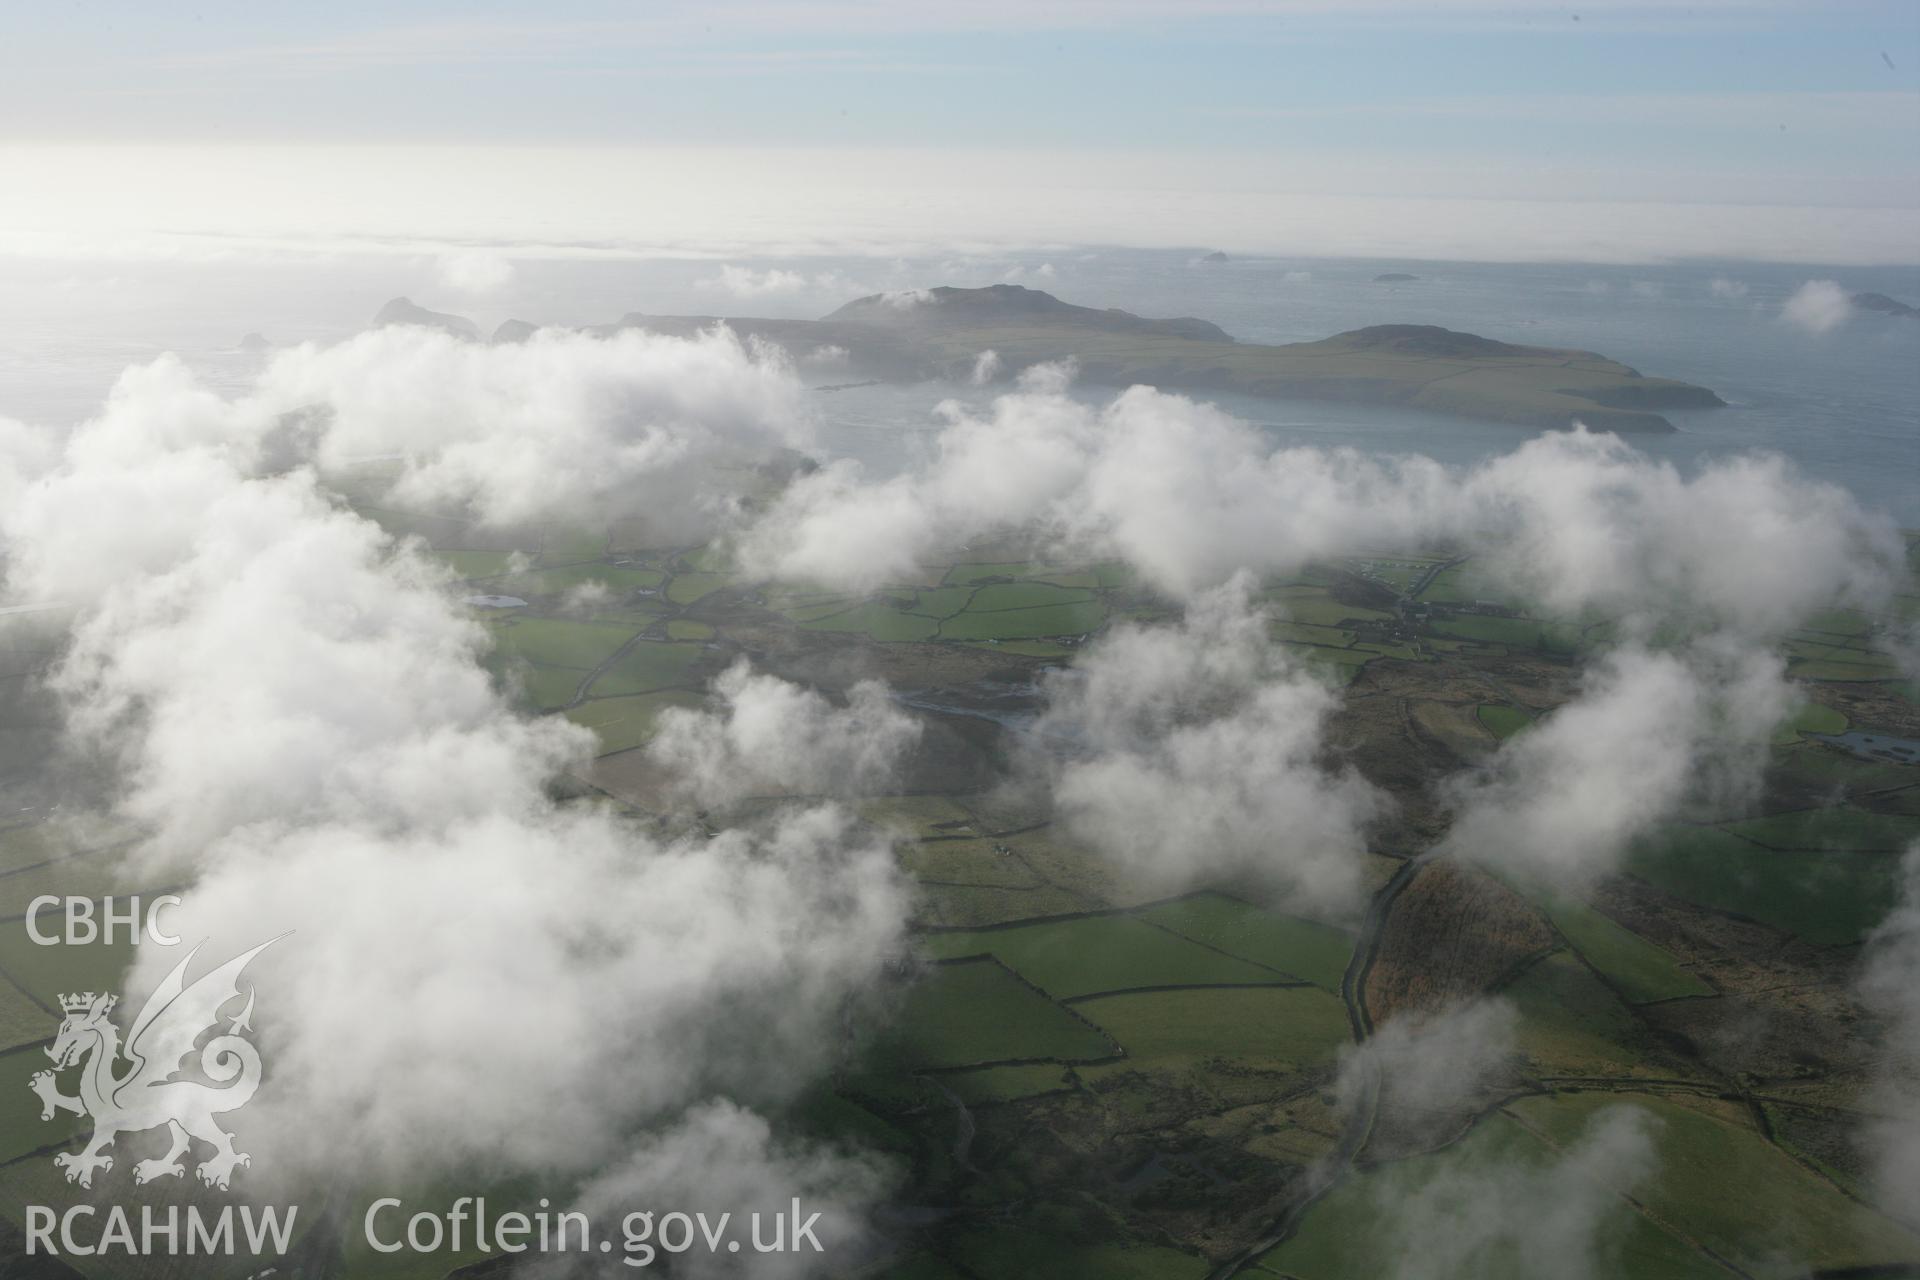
1331,1168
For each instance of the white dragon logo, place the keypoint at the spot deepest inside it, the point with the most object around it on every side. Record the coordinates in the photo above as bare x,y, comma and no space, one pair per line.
151,1092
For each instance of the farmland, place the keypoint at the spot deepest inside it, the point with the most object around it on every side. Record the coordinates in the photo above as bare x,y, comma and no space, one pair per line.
1087,1074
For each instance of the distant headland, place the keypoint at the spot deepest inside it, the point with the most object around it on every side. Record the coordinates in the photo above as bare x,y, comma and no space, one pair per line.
940,333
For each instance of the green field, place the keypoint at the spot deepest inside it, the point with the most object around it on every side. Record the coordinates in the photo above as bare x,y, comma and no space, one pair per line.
1824,898
1277,1028
1784,1220
966,862
1316,952
1068,958
1517,633
687,588
555,642
1023,595
476,564
48,972
21,1128
623,723
1025,624
616,579
23,1020
1353,1234
1501,720
542,688
975,1012
1321,609
1813,718
1840,827
1013,570
988,1085
1640,971
935,602
878,622
1572,1025
923,816
647,666
39,842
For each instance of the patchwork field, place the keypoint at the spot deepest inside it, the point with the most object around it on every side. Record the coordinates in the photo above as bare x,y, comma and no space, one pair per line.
1084,1074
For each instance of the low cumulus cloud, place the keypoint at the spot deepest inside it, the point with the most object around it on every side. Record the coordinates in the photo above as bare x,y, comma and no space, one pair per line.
478,976
1428,1076
1190,495
1890,983
1647,733
1577,524
1722,287
745,282
557,424
1476,1218
300,722
1195,751
728,1160
986,367
1044,272
780,282
1818,306
475,273
766,736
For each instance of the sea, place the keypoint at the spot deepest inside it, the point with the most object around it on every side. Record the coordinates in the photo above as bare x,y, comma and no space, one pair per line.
1842,402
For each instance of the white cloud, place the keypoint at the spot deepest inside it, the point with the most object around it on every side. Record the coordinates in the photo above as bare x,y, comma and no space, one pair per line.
479,978
1647,732
1721,287
561,423
767,736
1566,1207
1190,495
1427,1076
1818,306
780,282
1194,752
476,272
744,282
1890,983
723,1160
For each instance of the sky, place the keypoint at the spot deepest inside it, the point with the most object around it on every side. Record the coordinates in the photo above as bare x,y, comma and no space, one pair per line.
1736,104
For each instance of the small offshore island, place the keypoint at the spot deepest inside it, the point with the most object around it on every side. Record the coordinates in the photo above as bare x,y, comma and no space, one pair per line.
940,333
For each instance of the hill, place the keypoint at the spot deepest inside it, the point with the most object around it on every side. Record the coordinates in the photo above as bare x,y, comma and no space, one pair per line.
407,311
1882,303
1012,304
939,333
